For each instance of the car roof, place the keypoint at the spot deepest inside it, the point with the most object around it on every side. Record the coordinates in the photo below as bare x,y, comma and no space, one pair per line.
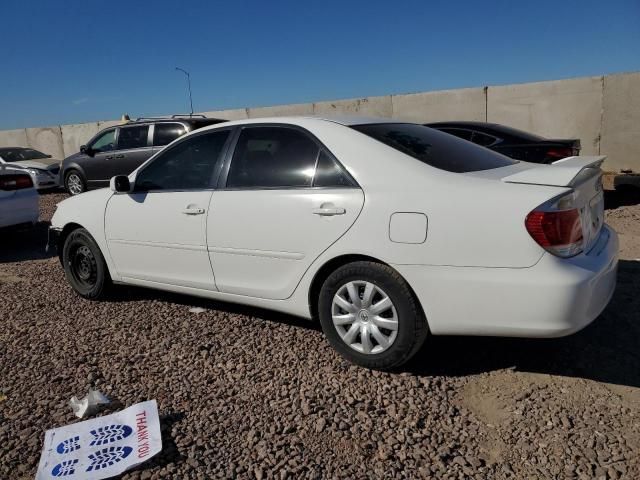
4,149
150,120
348,121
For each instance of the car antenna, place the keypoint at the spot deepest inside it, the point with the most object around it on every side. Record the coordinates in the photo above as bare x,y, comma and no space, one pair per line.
189,83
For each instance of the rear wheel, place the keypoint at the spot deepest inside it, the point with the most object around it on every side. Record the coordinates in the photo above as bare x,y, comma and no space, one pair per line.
84,265
370,316
74,183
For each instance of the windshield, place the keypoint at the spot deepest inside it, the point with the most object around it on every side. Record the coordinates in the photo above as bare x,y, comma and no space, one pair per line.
435,148
19,154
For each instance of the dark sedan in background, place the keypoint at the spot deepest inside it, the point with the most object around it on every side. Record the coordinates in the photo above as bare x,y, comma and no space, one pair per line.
510,141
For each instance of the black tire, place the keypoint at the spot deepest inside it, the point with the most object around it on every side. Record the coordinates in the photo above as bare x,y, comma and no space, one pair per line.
84,265
412,325
71,175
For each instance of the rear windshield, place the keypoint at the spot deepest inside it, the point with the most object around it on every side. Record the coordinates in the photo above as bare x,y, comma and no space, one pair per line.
437,149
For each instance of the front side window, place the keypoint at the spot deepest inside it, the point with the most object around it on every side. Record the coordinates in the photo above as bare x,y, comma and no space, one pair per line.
435,148
273,157
133,137
165,133
105,142
188,165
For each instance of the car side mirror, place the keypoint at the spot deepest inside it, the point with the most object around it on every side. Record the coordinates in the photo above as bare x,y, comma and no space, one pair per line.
86,150
120,184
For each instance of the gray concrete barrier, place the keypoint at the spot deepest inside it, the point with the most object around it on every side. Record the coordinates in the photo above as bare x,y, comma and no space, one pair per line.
621,121
556,109
460,104
603,112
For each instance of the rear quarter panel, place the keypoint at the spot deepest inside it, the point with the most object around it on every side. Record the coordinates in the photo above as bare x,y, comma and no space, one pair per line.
472,221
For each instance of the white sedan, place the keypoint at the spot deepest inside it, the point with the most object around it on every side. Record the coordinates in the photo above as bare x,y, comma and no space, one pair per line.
18,198
386,231
43,169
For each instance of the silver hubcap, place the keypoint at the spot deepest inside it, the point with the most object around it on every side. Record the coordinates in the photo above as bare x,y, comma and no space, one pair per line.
74,183
364,317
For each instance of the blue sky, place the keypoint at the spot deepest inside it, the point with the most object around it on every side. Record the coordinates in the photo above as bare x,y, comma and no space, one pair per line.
77,61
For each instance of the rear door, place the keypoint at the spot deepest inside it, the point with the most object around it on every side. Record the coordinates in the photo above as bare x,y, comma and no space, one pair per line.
283,200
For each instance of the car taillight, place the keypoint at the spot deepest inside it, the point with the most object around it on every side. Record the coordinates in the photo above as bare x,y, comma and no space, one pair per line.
558,232
560,152
15,182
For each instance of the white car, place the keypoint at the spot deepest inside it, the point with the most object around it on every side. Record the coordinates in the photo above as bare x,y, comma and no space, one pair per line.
18,198
386,231
43,169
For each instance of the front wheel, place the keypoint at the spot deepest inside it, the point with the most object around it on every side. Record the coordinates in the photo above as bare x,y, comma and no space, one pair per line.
74,183
370,315
84,265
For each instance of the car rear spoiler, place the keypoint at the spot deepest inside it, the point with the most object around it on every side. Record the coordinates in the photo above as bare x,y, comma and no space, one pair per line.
560,173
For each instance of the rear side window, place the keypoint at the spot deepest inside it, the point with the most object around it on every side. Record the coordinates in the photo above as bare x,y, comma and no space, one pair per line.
165,133
272,157
329,173
185,166
435,148
133,137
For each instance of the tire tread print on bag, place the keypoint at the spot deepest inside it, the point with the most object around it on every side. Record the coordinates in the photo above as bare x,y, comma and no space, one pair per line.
109,434
107,457
68,467
69,445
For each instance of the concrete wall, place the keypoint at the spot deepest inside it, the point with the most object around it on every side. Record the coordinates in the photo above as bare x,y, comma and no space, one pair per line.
621,121
603,112
461,104
558,109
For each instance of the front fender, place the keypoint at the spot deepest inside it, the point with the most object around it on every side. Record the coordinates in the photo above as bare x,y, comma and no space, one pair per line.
87,211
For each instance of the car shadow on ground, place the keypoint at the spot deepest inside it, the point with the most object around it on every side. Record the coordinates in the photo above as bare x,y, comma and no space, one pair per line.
24,243
621,197
605,351
128,293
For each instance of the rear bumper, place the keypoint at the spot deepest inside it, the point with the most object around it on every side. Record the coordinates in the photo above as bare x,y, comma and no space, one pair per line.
554,298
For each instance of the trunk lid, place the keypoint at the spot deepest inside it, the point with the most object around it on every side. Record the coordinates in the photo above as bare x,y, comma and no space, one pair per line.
584,177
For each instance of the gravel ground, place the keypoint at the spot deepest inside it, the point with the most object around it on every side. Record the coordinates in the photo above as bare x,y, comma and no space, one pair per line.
254,394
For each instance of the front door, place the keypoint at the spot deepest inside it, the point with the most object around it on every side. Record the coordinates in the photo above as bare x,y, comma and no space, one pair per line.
285,200
157,233
97,164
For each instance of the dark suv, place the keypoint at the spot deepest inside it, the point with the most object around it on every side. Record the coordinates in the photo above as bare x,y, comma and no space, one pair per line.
121,149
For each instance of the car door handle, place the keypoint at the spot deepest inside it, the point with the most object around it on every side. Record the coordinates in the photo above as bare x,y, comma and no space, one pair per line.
193,211
119,156
327,212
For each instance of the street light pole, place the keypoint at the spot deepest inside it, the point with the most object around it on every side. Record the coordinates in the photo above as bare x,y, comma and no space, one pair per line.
189,83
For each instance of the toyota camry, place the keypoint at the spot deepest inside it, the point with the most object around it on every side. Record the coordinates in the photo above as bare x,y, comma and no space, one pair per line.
385,231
